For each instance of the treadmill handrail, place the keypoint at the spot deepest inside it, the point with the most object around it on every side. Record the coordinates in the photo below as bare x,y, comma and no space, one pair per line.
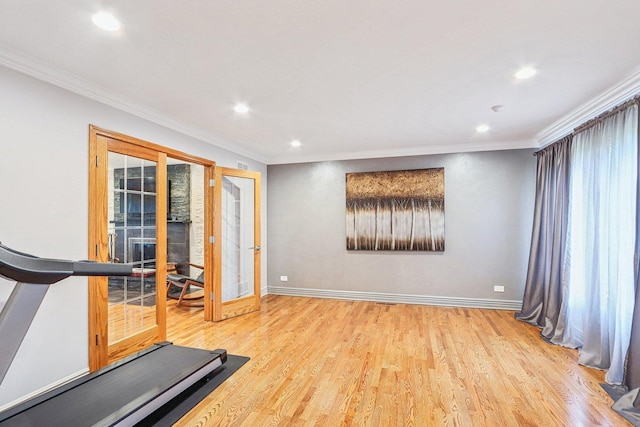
34,276
27,268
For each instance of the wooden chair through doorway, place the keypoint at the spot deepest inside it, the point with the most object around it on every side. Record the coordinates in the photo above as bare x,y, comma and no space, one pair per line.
185,284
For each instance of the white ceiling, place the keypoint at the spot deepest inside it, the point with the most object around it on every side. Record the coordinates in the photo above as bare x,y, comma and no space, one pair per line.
348,78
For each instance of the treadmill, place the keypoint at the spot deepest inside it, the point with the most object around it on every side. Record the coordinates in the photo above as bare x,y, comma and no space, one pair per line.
125,393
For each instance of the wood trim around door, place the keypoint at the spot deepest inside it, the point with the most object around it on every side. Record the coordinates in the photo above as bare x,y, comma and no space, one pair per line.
225,310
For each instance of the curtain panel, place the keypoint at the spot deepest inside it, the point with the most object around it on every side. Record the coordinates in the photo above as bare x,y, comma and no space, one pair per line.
597,308
632,365
544,289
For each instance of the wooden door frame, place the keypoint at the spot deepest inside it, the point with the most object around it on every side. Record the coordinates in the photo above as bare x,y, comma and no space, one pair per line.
100,143
244,305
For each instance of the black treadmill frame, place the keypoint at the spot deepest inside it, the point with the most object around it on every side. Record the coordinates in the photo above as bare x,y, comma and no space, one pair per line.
34,276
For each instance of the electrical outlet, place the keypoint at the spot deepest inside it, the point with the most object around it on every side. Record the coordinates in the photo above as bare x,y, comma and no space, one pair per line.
498,289
284,278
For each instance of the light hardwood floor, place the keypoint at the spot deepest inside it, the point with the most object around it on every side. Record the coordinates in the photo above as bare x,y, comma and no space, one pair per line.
127,319
339,363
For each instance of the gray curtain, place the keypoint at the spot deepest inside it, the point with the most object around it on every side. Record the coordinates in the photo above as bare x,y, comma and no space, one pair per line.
632,374
543,290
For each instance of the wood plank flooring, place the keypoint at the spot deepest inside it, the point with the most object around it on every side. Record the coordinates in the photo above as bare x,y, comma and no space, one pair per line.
128,319
319,362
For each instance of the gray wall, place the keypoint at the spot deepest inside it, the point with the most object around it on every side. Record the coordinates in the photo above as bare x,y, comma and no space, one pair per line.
488,215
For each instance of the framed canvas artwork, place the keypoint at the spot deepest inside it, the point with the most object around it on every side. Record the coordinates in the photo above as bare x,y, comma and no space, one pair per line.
395,210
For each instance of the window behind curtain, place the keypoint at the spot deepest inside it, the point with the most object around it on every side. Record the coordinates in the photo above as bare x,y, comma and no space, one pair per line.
599,275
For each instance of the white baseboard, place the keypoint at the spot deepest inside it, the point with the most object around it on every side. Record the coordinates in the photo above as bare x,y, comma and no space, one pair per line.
398,298
44,389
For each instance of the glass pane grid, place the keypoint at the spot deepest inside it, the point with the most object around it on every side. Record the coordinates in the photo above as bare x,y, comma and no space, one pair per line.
132,216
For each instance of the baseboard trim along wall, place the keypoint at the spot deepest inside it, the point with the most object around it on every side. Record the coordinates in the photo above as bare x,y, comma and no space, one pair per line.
398,298
45,389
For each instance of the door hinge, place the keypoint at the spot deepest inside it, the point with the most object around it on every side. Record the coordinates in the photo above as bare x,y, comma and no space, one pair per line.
96,339
212,239
211,296
96,251
212,182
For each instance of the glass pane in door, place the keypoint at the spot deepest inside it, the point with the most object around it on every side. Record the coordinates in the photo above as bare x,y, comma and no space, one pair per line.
132,239
238,244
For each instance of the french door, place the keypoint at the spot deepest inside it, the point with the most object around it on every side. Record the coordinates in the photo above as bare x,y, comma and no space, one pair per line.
237,230
127,313
130,212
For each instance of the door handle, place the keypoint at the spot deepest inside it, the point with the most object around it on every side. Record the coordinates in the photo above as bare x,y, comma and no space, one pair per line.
257,248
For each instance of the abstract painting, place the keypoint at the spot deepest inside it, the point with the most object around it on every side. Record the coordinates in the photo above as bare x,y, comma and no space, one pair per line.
395,210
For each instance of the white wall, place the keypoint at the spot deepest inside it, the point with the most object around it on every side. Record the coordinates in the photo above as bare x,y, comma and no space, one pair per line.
44,142
489,200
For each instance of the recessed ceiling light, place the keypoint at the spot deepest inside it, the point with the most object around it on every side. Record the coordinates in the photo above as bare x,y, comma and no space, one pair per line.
241,108
482,128
106,21
296,143
525,73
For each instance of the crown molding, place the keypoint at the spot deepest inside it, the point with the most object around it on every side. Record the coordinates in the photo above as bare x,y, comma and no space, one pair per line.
407,152
598,105
560,128
42,71
398,298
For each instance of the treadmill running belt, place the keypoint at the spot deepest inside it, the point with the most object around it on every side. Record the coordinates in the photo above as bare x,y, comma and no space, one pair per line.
106,396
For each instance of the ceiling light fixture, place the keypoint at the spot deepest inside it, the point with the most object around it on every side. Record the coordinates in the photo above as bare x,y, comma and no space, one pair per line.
241,108
295,143
482,128
525,73
106,21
